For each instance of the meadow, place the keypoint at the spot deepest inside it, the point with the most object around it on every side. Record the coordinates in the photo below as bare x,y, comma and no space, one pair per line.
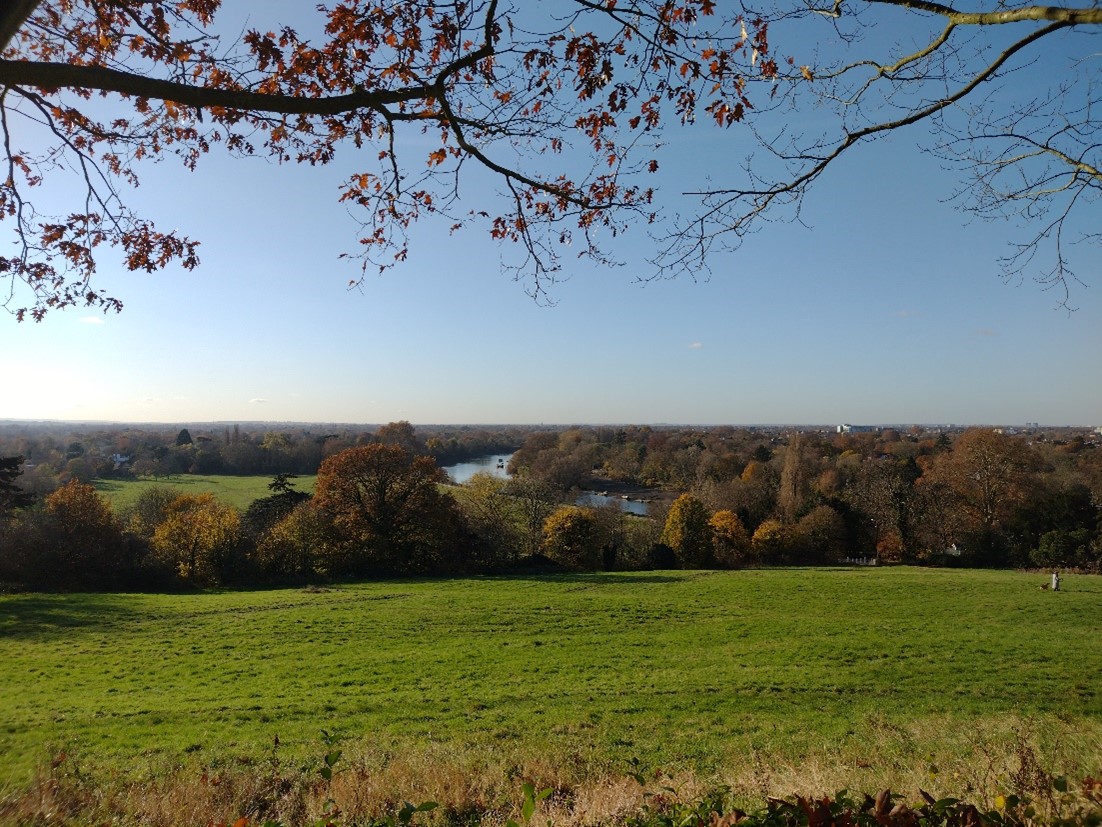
766,680
236,491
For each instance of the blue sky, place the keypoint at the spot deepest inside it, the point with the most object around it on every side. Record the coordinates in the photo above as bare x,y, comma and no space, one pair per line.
888,308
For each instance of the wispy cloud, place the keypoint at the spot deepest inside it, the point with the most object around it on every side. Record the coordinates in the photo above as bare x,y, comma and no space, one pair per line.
696,346
92,320
986,331
905,314
256,400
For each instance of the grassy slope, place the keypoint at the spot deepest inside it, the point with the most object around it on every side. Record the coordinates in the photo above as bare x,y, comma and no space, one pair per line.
700,671
236,491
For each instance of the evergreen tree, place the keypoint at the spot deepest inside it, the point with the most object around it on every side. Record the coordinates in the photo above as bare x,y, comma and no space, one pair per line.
11,495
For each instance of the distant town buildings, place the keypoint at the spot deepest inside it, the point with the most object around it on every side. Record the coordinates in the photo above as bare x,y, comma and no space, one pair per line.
858,429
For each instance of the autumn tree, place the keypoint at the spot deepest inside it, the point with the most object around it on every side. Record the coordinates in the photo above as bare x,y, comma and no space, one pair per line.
689,533
799,472
198,537
148,510
492,515
571,537
730,542
820,536
298,546
87,534
386,507
988,475
535,499
564,461
567,106
884,490
753,496
402,434
773,542
265,512
74,541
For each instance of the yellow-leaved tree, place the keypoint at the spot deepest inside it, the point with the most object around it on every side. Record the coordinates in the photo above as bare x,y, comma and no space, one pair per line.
298,546
571,537
198,537
688,533
730,542
84,542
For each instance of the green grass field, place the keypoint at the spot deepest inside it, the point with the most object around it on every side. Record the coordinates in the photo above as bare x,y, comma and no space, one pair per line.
236,491
862,676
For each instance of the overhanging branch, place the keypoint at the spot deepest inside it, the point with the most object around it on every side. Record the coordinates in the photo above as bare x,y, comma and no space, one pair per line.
1053,14
53,76
13,17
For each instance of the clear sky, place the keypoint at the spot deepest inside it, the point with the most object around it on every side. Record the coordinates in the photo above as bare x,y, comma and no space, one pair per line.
887,308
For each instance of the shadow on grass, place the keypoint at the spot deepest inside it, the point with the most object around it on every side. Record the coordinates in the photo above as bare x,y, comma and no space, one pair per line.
595,578
45,616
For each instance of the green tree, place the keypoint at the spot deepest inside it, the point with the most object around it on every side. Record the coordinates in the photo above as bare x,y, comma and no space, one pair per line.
1064,548
282,483
689,533
11,495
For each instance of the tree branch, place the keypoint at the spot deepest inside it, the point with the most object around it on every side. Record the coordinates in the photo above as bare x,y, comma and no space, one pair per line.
13,17
1054,14
52,76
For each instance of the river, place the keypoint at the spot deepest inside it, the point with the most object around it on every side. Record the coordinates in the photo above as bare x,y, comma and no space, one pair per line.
496,465
599,500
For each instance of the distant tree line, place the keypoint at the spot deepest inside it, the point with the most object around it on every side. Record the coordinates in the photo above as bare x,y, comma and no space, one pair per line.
744,498
971,497
54,456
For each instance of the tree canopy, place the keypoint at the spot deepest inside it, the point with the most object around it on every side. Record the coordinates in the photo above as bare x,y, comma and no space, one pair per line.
566,105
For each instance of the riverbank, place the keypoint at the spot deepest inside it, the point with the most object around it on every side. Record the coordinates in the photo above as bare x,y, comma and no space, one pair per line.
630,491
